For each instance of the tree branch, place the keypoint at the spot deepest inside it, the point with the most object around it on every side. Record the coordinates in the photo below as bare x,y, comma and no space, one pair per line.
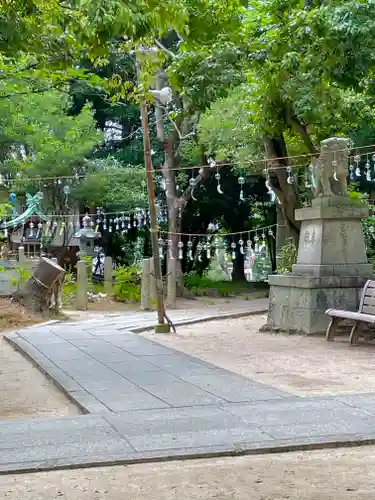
294,122
164,49
204,173
36,91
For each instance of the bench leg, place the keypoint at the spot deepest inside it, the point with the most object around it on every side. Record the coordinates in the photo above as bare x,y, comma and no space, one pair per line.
355,333
332,328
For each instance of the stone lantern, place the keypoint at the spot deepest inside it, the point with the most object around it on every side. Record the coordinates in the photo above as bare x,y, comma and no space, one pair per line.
87,237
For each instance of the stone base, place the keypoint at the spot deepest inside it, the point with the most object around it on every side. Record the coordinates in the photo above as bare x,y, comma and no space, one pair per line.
297,304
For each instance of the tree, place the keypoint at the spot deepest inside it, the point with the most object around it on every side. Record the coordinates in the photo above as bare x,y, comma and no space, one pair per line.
298,90
110,185
40,141
42,43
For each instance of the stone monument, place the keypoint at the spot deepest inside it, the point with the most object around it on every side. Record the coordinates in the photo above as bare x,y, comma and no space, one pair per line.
331,266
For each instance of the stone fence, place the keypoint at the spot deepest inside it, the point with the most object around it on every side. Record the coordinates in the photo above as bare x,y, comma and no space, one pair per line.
9,274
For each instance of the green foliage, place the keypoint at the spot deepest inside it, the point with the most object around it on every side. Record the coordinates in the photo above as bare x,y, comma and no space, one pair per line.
127,284
43,41
40,140
113,186
22,275
286,257
227,130
368,226
68,289
204,286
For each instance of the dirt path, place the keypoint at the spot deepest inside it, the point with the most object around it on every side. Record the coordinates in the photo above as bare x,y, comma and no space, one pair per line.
320,475
305,366
25,391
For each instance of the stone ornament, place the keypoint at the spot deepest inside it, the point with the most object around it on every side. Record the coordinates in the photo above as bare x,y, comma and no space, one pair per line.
330,168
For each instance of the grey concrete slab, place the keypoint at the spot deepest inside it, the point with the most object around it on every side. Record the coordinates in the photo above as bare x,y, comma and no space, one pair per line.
122,340
228,436
131,368
181,394
294,412
62,379
177,364
147,350
89,403
192,427
44,338
66,352
118,401
30,351
365,402
112,457
103,332
233,389
54,438
70,333
113,356
150,378
87,365
106,381
175,420
93,343
325,428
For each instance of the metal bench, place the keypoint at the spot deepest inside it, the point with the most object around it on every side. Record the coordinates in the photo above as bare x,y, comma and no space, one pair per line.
365,315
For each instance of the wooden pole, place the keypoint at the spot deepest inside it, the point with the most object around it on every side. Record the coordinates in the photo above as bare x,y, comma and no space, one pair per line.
153,220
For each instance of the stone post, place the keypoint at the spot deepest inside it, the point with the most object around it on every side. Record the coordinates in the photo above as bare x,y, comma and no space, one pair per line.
172,285
56,299
331,266
22,261
108,276
152,282
82,285
146,303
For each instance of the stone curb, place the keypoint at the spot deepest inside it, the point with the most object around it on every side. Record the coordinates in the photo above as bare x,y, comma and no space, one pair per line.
283,446
50,372
215,317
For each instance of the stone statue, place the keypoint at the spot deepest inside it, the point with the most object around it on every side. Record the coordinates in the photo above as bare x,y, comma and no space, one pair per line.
331,168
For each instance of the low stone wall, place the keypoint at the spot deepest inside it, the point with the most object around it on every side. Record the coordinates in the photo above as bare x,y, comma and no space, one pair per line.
9,274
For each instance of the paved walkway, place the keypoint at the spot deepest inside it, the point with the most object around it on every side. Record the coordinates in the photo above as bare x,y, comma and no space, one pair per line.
146,402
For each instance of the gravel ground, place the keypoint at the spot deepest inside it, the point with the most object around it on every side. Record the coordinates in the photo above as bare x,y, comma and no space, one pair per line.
304,366
25,391
318,475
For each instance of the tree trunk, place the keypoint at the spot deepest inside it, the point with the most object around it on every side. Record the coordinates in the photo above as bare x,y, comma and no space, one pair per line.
286,193
38,290
283,232
238,271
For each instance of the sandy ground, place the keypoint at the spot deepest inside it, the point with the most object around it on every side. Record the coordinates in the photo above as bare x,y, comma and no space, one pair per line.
25,391
216,304
319,475
304,366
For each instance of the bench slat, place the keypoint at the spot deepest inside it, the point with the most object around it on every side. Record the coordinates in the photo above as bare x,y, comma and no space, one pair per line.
353,315
368,310
369,299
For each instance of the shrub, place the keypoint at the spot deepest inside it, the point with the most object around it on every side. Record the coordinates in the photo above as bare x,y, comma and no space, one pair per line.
204,286
69,289
127,285
286,257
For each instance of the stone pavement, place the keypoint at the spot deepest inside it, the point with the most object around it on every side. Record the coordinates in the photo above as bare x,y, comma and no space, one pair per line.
144,401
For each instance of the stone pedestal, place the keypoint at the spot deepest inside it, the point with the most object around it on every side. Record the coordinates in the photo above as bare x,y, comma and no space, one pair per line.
331,267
